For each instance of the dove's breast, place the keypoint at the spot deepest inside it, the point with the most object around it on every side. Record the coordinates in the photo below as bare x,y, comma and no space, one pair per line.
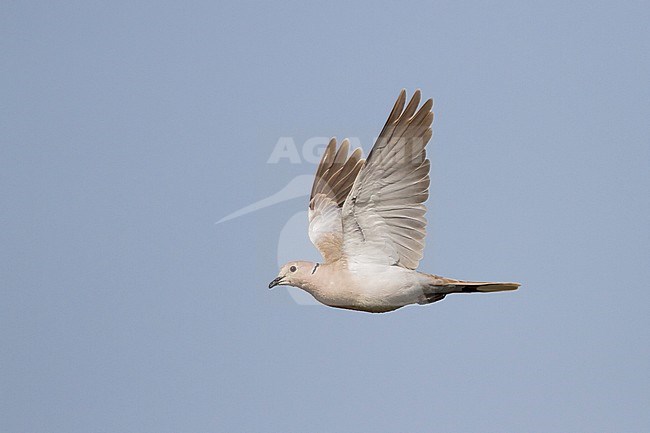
374,288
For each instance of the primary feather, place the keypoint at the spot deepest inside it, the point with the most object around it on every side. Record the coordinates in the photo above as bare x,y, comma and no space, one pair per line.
383,216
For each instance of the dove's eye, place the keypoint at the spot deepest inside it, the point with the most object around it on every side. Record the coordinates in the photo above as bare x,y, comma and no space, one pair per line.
292,269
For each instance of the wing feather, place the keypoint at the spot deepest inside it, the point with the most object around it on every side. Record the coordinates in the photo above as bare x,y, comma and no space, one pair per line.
383,215
335,176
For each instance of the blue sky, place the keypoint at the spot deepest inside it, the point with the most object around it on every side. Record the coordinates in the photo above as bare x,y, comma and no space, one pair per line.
129,129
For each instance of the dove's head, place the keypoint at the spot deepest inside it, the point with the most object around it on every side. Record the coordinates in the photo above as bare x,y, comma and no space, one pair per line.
297,274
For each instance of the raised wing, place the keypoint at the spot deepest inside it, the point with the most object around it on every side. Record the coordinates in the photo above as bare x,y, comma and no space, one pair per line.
383,216
334,178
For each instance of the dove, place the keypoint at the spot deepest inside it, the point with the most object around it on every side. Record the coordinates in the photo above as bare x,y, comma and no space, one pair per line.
367,220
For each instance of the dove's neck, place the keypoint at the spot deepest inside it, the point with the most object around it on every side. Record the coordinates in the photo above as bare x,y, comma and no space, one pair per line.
329,284
319,279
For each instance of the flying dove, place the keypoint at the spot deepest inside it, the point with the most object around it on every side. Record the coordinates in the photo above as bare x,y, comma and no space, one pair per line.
367,220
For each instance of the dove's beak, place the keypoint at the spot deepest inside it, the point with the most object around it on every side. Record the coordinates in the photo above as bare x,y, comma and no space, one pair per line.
275,282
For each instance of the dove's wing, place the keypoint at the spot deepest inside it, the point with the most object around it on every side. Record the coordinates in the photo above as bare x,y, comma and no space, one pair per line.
334,178
383,216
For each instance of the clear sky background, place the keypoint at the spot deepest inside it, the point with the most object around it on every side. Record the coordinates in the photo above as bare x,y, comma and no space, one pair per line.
129,128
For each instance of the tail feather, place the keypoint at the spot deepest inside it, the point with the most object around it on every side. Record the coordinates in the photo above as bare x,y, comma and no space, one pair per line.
436,288
451,285
485,287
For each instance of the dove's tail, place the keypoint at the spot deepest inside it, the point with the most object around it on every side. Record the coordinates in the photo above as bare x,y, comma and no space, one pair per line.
484,287
439,287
